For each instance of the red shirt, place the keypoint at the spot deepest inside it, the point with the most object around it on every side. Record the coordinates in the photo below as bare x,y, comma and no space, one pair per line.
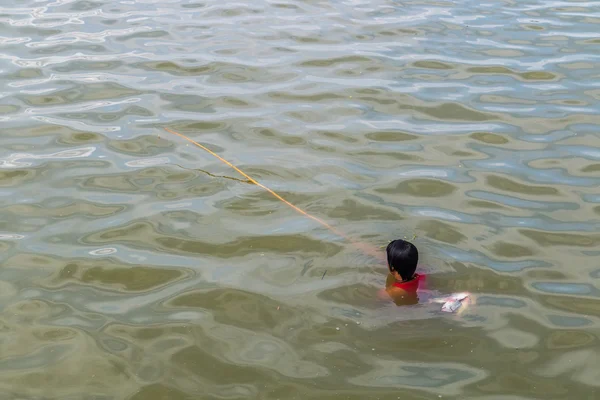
412,285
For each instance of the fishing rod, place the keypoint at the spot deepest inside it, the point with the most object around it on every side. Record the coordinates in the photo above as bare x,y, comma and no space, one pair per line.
364,247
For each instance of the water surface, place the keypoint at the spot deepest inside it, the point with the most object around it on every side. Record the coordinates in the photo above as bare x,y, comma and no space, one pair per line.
136,266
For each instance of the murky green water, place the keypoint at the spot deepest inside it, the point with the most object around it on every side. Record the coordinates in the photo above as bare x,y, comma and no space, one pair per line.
132,269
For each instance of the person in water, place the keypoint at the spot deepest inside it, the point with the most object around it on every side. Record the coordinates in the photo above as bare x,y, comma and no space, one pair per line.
404,285
403,281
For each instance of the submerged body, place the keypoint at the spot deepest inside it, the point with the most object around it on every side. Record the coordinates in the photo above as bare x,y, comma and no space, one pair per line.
406,292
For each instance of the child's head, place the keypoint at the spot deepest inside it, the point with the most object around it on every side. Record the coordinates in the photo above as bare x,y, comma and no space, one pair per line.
402,259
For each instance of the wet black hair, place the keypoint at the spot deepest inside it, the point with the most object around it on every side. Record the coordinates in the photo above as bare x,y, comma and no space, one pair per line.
402,257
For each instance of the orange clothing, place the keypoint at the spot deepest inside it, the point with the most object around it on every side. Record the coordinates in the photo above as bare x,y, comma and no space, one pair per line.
404,293
412,285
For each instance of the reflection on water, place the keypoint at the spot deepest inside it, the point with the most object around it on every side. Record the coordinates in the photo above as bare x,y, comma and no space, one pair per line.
135,266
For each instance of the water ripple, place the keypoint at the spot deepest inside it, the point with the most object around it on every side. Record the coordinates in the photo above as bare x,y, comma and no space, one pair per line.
132,260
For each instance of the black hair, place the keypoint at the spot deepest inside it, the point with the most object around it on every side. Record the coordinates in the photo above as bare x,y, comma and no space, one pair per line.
402,257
